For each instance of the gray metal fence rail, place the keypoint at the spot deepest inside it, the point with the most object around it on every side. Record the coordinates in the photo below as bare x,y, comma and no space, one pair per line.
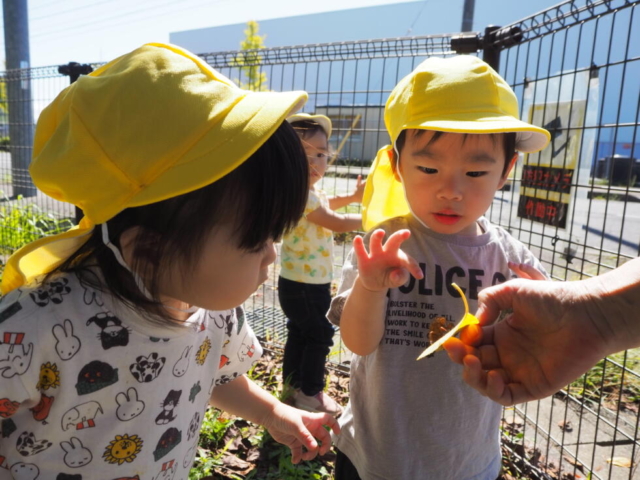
575,69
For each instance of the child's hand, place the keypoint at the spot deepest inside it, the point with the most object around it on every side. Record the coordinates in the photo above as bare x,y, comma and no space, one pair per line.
524,270
296,429
384,266
359,192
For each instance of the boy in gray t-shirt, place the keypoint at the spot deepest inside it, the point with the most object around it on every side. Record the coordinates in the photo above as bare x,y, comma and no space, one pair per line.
455,132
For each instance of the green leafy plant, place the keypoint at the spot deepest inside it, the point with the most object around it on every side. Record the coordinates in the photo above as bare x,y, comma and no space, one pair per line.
22,224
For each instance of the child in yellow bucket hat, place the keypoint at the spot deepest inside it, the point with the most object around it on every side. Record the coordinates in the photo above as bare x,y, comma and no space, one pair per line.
304,284
455,134
129,323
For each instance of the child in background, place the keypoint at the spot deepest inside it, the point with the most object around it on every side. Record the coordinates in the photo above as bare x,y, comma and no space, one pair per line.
454,130
304,286
117,334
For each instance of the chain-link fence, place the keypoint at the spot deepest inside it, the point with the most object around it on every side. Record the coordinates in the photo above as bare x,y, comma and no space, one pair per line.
575,69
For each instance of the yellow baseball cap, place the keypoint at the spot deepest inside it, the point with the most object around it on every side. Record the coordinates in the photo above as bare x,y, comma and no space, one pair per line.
153,124
460,94
323,121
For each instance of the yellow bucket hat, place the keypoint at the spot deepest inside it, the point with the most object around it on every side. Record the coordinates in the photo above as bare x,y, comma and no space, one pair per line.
460,94
323,121
150,125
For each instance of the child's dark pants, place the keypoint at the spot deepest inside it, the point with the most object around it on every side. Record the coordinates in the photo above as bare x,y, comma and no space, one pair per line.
310,335
344,469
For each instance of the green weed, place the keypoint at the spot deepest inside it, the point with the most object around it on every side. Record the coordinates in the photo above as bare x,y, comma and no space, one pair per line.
22,224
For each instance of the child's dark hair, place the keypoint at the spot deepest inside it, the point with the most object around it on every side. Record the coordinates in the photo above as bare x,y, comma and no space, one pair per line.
508,143
264,197
307,128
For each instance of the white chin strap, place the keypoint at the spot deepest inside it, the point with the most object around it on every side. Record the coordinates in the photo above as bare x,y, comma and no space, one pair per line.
404,190
136,277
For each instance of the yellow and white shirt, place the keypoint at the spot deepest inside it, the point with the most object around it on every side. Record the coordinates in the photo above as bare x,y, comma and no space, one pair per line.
307,250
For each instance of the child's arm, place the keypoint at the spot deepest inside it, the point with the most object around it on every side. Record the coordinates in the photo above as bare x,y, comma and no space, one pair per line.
383,267
287,425
356,197
336,222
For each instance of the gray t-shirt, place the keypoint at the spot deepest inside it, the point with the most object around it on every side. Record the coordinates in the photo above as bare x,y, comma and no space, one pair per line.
409,419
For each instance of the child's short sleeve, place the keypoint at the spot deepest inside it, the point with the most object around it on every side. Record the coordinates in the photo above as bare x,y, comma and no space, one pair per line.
313,203
349,274
240,351
20,359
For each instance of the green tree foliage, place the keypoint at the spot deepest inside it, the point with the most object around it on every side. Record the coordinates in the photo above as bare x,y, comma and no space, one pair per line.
249,59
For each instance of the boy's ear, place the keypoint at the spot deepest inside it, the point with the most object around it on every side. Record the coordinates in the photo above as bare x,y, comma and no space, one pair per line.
394,164
512,163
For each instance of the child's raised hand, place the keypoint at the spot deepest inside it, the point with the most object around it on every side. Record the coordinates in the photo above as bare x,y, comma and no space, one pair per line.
385,265
303,432
359,191
524,270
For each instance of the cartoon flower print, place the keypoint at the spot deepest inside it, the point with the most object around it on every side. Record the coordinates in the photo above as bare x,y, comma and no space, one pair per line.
123,448
49,376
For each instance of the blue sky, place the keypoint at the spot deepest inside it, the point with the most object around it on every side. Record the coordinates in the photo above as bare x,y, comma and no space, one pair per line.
99,30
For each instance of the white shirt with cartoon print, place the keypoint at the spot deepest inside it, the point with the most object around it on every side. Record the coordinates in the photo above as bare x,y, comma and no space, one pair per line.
90,390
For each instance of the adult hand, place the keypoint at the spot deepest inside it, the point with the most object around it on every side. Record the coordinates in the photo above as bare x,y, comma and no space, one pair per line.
549,340
303,432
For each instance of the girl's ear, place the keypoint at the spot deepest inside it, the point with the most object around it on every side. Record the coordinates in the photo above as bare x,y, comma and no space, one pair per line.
127,243
512,163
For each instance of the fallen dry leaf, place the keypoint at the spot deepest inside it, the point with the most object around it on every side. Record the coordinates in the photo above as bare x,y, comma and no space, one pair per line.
620,462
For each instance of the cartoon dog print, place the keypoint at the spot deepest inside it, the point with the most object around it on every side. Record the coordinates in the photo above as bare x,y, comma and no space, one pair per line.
27,444
76,455
147,368
52,291
112,333
128,405
81,416
67,344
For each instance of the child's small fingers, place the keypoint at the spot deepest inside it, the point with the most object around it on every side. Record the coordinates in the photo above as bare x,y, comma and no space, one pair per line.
524,270
414,267
395,240
375,242
358,247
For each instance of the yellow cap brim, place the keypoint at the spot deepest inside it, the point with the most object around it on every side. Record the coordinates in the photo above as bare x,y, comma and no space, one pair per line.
529,138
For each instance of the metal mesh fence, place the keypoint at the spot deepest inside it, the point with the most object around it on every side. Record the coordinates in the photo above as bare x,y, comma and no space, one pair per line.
575,70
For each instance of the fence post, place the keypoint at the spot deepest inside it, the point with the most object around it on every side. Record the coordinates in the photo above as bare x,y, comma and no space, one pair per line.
16,34
74,70
494,40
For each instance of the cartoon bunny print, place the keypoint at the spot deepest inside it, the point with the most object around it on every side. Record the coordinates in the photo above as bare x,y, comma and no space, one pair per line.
128,405
67,344
76,455
181,366
24,471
